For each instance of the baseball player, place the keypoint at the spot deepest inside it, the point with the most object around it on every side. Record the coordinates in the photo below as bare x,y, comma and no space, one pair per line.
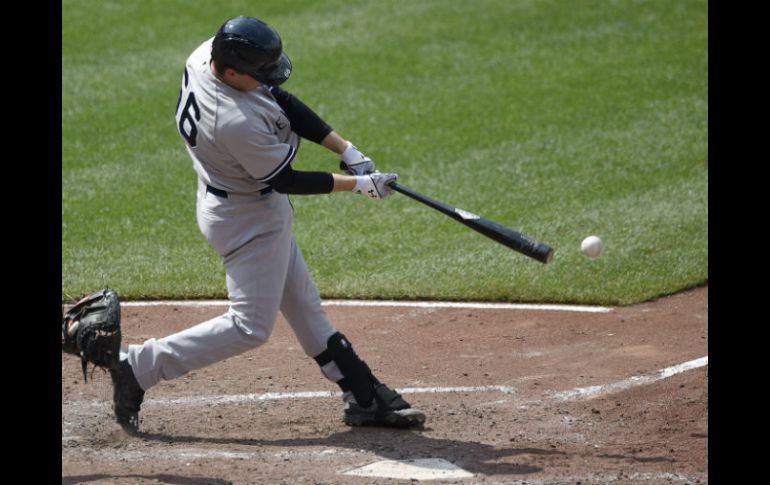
243,132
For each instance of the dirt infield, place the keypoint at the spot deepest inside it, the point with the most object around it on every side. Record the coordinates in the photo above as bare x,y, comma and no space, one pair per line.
512,396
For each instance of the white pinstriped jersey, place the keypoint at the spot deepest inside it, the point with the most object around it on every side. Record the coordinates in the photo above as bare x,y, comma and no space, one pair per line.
238,140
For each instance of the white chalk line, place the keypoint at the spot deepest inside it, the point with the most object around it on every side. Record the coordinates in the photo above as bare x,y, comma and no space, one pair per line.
577,393
281,396
392,304
634,381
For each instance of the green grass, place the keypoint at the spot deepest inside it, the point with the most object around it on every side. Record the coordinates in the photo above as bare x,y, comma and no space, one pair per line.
557,118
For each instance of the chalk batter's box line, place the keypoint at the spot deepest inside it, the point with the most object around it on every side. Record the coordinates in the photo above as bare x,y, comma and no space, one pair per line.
570,395
394,304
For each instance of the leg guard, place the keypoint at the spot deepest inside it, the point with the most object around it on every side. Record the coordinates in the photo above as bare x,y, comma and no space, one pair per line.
357,378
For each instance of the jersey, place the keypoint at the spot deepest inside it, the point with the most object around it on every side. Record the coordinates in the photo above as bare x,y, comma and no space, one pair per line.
238,140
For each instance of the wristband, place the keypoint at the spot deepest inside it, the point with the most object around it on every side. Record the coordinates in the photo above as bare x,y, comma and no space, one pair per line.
362,182
351,155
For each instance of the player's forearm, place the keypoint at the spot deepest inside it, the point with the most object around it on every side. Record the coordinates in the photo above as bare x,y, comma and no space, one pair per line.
343,183
308,183
290,181
334,142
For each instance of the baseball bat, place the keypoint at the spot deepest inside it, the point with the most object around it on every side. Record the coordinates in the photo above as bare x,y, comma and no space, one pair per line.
504,235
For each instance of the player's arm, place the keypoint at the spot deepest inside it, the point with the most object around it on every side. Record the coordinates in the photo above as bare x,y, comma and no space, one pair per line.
307,124
304,121
290,181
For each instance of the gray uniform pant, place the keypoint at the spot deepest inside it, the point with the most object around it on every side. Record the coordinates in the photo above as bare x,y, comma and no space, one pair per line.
265,273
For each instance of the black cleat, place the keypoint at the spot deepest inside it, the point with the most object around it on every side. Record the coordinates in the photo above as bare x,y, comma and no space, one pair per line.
127,396
388,409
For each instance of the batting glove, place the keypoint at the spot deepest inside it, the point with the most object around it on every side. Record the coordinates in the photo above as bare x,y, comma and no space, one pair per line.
354,162
375,185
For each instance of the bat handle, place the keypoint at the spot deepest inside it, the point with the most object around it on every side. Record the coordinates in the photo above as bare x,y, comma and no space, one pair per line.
399,188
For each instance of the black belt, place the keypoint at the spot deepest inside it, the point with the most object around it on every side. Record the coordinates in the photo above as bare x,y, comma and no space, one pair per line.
223,194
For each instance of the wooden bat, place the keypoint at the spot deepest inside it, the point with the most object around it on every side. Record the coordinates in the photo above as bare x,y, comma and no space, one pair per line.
504,235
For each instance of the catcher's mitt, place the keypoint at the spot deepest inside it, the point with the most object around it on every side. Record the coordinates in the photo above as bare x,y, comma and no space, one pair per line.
91,330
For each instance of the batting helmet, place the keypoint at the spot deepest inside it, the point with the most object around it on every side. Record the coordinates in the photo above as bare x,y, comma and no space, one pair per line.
251,46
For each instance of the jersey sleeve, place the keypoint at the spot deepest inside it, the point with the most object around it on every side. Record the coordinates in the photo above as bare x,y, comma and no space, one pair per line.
260,153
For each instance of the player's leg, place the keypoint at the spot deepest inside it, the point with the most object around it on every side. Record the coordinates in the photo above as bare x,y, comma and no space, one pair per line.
367,400
254,239
301,305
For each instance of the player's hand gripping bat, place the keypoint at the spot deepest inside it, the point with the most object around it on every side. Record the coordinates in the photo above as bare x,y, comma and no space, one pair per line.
504,235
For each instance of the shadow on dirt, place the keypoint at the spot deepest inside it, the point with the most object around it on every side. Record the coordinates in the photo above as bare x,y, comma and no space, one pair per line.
157,478
393,444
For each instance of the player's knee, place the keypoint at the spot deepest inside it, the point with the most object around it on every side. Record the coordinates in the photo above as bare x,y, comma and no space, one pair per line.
340,364
252,328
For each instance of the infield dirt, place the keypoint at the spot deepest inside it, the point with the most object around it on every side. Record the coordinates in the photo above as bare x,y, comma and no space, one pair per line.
219,431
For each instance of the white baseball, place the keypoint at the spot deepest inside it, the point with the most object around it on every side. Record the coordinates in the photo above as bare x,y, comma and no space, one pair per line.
592,246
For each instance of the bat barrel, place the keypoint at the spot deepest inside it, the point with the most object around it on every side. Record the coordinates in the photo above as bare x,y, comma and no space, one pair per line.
497,232
513,239
546,253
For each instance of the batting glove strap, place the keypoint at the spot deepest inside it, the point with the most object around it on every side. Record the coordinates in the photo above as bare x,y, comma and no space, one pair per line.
353,162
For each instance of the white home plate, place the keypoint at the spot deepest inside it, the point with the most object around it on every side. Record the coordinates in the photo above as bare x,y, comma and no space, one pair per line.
422,469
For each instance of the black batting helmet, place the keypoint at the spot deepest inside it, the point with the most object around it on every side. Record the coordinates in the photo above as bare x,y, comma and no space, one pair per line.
251,46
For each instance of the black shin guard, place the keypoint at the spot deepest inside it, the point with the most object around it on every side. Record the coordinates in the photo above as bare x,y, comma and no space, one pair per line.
357,377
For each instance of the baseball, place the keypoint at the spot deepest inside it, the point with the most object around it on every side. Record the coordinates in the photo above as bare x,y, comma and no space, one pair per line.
592,246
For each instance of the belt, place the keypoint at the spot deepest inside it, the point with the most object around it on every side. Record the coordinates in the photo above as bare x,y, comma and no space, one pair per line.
223,194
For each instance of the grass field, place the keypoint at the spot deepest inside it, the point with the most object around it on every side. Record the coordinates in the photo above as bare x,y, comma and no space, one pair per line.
558,118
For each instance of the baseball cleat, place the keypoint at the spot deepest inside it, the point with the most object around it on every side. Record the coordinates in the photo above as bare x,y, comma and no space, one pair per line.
387,409
355,415
127,396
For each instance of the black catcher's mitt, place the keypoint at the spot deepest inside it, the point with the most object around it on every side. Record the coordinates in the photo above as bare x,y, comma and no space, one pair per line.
91,330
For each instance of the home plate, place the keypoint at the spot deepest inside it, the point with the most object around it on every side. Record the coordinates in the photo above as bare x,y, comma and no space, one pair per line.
420,469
